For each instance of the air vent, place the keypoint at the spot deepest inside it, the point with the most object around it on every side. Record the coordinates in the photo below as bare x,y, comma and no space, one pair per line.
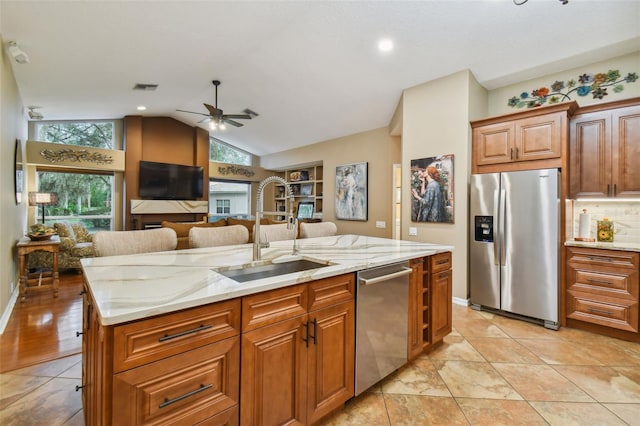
144,86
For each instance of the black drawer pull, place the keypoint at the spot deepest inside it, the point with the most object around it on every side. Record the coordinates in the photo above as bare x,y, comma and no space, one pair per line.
442,262
590,280
599,311
183,333
168,401
600,259
79,333
79,387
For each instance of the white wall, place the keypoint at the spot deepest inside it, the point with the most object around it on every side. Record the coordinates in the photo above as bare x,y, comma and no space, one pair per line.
13,125
436,119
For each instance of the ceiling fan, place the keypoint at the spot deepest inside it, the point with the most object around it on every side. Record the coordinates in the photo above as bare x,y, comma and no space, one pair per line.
217,118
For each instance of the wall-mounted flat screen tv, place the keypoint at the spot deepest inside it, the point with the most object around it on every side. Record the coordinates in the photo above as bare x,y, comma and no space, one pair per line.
164,181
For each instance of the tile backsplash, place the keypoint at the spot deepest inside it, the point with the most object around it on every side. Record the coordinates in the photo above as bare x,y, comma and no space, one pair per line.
624,214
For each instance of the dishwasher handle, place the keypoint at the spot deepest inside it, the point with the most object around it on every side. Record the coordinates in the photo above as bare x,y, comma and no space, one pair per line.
386,277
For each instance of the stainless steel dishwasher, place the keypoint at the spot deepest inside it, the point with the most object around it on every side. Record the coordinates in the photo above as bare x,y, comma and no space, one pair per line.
382,301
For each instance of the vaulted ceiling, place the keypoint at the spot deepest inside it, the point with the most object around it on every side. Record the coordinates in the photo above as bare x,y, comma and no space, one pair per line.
311,69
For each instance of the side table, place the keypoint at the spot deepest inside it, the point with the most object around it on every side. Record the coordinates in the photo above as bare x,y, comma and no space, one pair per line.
39,280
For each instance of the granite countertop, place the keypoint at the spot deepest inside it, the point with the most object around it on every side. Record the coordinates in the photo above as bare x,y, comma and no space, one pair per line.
132,287
606,246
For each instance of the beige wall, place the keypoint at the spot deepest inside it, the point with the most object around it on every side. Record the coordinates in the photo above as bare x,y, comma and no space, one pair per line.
436,121
13,125
377,148
626,64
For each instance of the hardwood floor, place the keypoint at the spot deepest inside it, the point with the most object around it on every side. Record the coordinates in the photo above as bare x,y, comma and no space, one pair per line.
44,328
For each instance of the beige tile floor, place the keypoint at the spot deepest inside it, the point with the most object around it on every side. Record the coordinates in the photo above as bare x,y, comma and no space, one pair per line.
491,370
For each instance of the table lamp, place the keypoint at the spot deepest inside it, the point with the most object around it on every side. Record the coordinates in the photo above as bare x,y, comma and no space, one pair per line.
43,199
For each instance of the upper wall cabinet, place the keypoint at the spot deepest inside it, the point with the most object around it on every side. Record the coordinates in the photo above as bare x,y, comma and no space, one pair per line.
526,140
605,151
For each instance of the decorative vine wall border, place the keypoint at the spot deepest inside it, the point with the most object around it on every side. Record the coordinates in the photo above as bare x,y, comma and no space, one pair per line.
75,155
585,84
235,170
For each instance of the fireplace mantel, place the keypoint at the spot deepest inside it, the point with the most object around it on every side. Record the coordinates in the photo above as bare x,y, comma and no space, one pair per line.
169,206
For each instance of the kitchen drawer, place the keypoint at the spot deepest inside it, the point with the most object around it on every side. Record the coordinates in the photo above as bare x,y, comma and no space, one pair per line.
601,310
183,389
273,306
229,417
155,338
613,285
596,259
331,291
440,262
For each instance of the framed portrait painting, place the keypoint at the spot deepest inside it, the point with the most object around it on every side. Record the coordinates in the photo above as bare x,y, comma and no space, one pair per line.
432,189
351,191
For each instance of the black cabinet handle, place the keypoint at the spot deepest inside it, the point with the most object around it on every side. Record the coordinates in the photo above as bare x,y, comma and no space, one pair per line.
79,333
183,333
442,262
305,338
511,154
79,387
315,331
600,259
615,189
517,153
589,280
168,401
599,311
608,189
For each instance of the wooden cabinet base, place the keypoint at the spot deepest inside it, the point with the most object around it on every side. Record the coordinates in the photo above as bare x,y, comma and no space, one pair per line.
600,329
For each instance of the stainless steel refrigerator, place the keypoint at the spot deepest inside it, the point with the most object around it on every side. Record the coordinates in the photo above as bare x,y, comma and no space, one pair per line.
514,243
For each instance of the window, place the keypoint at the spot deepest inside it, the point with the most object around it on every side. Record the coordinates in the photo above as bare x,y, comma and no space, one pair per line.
229,199
225,153
82,197
86,195
96,134
223,207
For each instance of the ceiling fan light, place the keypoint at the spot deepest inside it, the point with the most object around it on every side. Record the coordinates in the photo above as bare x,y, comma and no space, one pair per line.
222,126
212,125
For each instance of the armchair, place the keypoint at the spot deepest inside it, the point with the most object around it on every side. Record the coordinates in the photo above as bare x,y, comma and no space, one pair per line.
75,243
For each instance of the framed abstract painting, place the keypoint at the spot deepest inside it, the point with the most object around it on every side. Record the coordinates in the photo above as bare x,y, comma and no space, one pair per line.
351,191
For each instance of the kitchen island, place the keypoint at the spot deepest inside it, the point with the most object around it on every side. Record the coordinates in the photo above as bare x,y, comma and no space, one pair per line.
169,339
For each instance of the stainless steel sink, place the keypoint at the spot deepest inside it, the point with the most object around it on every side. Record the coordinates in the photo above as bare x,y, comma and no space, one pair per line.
271,270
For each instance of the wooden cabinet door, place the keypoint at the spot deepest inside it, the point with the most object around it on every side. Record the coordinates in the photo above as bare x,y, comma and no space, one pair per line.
538,138
416,309
625,152
590,155
331,359
274,374
493,143
441,304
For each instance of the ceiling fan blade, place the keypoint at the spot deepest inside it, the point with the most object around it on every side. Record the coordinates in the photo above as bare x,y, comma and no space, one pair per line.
237,116
233,123
193,112
213,110
205,120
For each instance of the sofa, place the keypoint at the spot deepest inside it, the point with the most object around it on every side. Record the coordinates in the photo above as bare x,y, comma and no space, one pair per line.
75,244
182,228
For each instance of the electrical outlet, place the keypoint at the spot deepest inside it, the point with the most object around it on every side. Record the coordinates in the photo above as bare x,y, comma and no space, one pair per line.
413,231
381,224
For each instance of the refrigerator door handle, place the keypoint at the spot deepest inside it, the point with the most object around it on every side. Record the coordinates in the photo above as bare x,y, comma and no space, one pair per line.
501,226
496,229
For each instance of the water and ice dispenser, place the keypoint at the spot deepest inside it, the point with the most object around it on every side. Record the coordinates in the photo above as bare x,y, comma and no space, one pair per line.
484,229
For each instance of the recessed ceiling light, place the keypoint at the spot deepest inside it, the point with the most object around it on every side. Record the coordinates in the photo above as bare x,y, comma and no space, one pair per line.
385,45
141,108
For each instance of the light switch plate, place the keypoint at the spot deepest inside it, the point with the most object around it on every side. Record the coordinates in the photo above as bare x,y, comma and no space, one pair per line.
413,231
381,224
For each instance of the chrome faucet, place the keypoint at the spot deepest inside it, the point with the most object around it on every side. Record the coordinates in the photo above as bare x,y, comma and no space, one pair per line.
292,222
